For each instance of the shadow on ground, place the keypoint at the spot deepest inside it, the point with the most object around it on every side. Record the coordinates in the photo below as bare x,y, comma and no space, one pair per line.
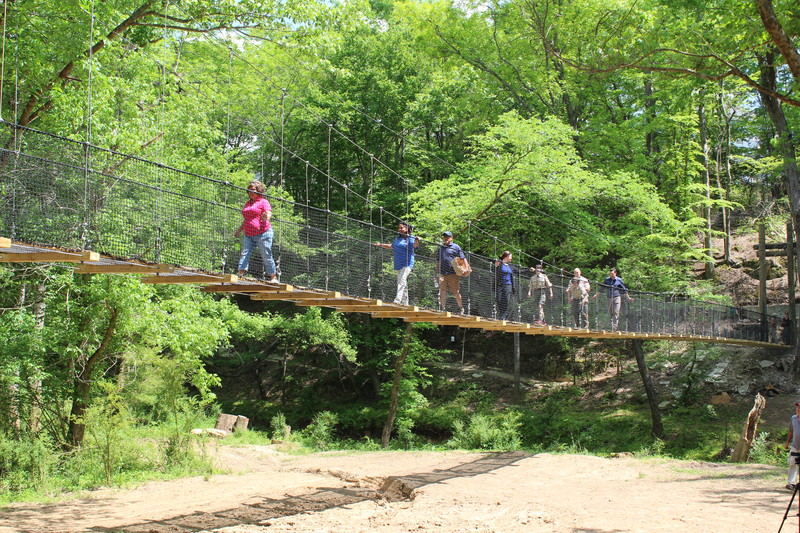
257,513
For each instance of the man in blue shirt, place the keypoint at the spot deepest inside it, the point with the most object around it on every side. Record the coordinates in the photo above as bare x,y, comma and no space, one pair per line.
448,280
615,288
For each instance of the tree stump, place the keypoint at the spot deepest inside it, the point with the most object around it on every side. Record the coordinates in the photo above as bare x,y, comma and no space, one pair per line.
226,422
749,431
241,423
231,423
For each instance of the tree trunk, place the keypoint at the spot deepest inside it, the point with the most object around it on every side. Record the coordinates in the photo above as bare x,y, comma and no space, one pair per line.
783,136
786,145
398,374
701,113
39,309
652,399
726,155
742,449
83,385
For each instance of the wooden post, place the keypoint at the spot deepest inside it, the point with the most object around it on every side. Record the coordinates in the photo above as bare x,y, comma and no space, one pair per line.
517,388
742,449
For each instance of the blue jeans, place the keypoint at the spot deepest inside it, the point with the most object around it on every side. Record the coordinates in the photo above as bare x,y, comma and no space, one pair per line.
503,301
264,243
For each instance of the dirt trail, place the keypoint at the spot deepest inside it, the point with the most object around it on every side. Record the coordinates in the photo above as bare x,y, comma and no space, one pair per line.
269,491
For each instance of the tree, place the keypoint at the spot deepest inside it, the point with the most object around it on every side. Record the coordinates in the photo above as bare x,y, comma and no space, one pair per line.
652,398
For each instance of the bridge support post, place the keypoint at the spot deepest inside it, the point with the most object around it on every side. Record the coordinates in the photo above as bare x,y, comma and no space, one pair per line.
517,388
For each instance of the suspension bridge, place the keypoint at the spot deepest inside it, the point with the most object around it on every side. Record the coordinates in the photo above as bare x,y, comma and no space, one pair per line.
110,213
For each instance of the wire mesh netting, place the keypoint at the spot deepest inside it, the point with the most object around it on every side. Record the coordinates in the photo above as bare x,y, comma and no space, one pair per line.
71,195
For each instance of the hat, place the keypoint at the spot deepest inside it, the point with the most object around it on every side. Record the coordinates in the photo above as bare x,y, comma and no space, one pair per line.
447,234
538,267
797,404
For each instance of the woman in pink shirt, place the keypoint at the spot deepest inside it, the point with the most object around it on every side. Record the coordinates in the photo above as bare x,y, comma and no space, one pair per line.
257,230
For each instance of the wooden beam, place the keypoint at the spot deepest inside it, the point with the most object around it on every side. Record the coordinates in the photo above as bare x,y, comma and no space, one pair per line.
455,320
248,287
123,268
388,312
295,295
190,279
49,257
332,302
354,308
5,243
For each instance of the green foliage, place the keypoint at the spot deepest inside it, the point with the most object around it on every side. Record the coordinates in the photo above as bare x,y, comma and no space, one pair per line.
488,432
26,466
108,421
319,434
765,452
279,429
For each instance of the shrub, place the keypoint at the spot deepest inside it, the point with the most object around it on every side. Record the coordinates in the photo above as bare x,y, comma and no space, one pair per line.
320,432
487,433
279,429
25,464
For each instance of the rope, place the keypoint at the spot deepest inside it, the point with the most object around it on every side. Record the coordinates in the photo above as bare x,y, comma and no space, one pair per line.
3,58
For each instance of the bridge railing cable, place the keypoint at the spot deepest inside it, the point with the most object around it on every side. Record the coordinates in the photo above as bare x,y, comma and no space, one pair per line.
61,193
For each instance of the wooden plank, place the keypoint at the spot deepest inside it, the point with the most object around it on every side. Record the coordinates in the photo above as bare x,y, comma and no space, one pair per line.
351,308
388,312
331,302
5,243
451,321
49,257
295,295
189,279
123,268
248,287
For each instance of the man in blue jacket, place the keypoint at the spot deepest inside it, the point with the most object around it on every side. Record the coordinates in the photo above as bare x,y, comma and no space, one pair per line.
615,288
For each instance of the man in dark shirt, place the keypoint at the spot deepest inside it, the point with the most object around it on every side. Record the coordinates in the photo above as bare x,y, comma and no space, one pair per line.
448,280
615,288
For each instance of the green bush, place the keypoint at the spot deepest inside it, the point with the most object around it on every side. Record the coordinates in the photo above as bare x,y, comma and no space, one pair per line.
765,453
279,429
486,432
319,434
25,465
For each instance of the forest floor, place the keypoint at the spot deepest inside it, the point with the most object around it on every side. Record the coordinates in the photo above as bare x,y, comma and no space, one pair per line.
272,491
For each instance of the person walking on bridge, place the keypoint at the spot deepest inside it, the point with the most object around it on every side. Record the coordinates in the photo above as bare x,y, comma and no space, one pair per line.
505,285
615,288
403,247
257,230
448,279
538,288
578,295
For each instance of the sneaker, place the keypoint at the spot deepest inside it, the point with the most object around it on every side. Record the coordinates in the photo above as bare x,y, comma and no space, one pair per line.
790,486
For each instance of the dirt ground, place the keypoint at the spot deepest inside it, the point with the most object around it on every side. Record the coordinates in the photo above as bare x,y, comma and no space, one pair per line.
271,491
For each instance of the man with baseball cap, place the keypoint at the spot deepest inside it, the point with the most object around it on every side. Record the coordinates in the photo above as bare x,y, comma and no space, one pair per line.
538,288
448,280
